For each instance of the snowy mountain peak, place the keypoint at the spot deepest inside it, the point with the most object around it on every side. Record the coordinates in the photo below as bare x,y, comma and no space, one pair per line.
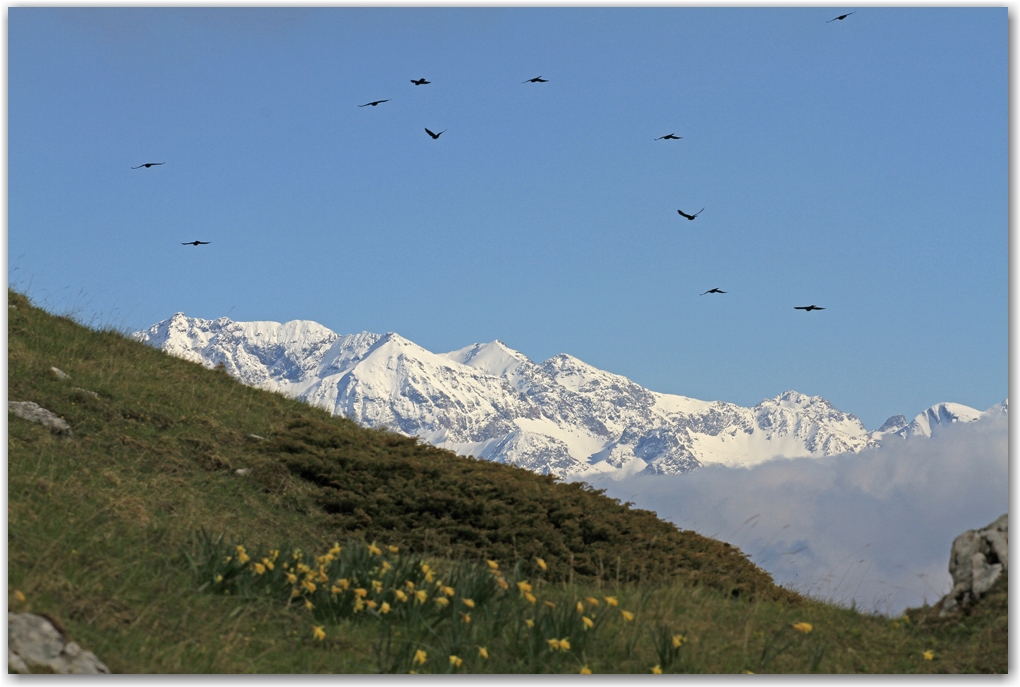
939,415
494,358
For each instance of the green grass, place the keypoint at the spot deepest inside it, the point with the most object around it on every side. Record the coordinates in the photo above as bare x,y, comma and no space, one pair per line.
104,536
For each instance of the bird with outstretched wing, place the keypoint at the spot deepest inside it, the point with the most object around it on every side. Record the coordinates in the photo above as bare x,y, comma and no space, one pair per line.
684,214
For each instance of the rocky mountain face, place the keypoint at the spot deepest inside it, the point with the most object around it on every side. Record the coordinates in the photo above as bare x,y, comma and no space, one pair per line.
561,416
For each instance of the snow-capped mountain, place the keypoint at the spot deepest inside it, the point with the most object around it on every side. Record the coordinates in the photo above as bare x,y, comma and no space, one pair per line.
561,416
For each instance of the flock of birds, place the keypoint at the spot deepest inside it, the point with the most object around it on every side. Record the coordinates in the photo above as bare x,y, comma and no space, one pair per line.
538,79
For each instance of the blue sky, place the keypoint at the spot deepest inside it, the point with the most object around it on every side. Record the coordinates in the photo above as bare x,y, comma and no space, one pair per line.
860,165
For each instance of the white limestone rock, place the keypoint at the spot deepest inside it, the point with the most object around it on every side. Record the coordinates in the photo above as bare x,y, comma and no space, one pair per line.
978,558
34,645
33,412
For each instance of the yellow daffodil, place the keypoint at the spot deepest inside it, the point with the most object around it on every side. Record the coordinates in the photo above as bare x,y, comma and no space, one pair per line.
611,600
260,569
376,586
492,564
309,605
502,583
421,595
448,591
588,622
219,578
302,568
928,655
627,615
592,600
466,617
310,586
318,632
296,555
275,553
295,592
541,564
678,641
419,657
371,604
409,585
335,590
21,597
442,601
550,604
386,566
375,550
401,596
360,592
393,549
585,670
803,627
564,644
292,578
335,551
358,604
483,652
455,661
323,577
554,644
268,563
385,608
524,587
529,623
656,670
530,597
580,607
242,555
228,559
343,582
468,602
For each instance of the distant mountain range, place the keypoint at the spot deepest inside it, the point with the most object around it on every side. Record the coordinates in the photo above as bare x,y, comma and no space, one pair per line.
561,416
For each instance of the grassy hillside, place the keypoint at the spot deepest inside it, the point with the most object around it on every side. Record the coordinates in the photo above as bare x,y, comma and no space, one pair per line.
104,534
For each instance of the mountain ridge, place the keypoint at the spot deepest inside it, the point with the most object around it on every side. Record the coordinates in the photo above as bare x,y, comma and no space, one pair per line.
561,416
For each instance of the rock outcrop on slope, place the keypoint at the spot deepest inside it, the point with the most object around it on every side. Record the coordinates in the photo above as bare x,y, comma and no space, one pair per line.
977,560
34,645
561,416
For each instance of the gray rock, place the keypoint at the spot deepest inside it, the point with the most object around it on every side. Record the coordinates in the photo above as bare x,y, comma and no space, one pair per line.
33,412
58,373
93,394
242,471
978,558
34,645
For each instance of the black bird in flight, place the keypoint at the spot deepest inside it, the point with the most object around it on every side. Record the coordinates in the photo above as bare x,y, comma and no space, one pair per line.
434,136
420,82
684,214
196,243
374,103
537,79
840,17
714,291
669,137
807,308
149,164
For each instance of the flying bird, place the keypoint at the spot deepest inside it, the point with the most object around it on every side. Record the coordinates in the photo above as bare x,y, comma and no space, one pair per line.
840,17
149,164
807,308
196,243
684,214
420,82
669,137
434,136
537,79
714,291
374,103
